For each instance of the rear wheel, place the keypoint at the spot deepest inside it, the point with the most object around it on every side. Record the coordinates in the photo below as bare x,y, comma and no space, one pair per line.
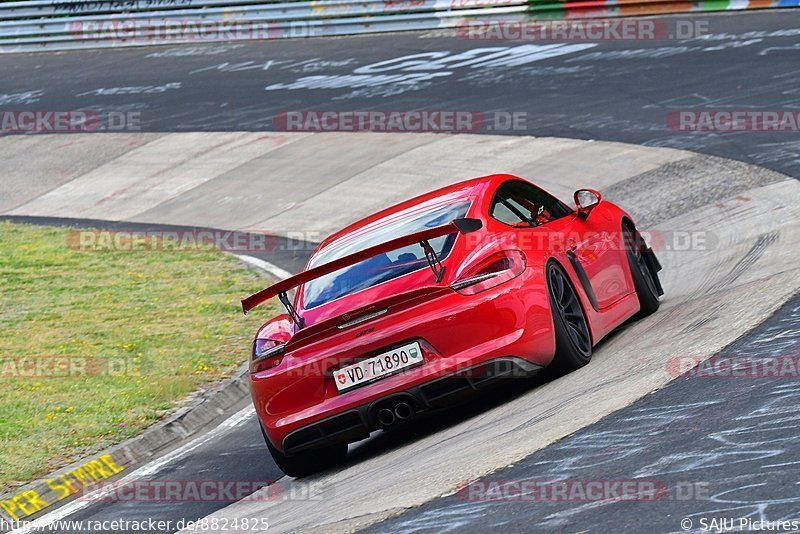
307,463
644,279
573,340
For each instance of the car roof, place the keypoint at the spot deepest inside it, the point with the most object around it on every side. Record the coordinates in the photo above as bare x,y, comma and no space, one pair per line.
446,195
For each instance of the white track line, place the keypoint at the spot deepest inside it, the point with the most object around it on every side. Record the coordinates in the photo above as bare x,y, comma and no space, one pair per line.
274,270
143,472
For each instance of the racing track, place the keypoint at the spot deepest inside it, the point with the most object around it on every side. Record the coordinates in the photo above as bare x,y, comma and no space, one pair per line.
610,90
722,447
748,269
745,270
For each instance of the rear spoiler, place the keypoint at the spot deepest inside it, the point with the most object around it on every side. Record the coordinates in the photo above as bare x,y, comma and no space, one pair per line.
462,226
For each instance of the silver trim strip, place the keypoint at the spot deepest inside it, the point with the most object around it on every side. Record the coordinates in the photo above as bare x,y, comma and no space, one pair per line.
476,279
361,319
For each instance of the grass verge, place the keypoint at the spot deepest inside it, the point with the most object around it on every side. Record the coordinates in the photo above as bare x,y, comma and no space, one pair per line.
96,346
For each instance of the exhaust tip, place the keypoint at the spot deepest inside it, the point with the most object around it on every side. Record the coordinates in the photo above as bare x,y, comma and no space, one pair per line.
403,410
386,417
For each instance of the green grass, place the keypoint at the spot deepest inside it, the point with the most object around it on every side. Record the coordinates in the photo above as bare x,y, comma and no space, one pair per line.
153,326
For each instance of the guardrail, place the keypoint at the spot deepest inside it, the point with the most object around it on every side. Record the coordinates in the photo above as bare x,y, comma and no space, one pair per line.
35,25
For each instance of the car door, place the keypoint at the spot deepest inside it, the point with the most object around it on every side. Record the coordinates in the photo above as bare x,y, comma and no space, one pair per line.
592,250
597,251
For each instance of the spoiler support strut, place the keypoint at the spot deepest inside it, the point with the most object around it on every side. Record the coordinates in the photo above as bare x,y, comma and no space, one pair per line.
287,303
433,260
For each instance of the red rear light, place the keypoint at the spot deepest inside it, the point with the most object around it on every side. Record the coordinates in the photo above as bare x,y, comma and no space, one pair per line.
491,272
267,353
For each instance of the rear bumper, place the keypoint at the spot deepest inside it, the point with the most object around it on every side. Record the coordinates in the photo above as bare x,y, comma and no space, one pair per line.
357,423
456,333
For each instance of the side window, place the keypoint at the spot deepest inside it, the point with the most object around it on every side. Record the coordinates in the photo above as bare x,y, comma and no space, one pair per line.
502,212
521,204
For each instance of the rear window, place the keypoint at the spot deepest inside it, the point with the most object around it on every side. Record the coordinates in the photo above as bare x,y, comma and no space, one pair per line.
386,266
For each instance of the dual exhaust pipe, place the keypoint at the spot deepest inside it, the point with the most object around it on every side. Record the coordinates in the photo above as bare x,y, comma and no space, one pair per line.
401,411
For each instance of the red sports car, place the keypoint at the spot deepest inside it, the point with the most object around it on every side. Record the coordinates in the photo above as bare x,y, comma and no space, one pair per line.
429,300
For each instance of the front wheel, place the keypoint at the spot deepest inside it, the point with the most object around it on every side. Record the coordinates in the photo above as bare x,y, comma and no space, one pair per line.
645,279
307,463
573,340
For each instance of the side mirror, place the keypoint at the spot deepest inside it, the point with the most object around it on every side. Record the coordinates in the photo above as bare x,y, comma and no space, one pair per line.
586,200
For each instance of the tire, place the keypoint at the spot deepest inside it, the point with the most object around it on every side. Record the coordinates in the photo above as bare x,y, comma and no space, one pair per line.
573,338
307,463
645,281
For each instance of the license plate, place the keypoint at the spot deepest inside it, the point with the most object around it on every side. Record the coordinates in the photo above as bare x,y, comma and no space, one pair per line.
377,367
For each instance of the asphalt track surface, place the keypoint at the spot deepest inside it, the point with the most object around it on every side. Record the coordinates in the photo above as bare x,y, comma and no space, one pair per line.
611,90
720,447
